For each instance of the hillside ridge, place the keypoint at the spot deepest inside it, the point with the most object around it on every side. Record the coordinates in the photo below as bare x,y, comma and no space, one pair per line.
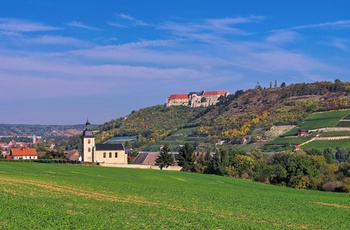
245,116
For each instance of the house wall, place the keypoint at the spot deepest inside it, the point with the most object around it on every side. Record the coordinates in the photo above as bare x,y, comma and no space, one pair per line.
24,157
109,156
171,102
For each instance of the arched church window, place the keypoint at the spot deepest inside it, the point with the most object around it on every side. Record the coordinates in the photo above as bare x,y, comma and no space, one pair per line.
110,155
116,155
89,141
104,155
89,149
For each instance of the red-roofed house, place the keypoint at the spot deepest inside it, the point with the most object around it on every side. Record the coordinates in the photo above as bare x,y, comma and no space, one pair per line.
24,153
177,99
302,132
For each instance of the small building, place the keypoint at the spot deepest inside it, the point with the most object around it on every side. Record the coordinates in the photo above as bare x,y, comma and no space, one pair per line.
302,132
149,158
24,153
72,155
297,147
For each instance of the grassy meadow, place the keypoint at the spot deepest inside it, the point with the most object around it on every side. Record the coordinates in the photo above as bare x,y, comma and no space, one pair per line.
49,196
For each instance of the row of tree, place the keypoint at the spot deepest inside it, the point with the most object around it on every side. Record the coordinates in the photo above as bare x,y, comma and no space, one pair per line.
311,169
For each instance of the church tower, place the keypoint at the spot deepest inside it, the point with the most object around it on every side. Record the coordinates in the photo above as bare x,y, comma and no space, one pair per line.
88,144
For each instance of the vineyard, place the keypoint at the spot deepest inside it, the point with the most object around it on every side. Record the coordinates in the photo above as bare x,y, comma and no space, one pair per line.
43,196
315,121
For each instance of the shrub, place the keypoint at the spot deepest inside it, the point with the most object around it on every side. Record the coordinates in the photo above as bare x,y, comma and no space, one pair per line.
332,186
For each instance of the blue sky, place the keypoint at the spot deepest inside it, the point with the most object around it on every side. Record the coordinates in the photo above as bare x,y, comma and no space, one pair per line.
63,61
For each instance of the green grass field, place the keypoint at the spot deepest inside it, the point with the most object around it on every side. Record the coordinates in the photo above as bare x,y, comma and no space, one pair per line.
43,196
335,134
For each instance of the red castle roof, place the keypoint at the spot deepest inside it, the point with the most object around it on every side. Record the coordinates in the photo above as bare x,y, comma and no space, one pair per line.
218,92
178,96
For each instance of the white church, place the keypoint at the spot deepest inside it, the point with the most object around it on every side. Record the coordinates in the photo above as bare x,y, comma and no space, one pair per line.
101,153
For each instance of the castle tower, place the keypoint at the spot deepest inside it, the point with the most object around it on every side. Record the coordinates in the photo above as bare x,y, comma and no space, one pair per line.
88,144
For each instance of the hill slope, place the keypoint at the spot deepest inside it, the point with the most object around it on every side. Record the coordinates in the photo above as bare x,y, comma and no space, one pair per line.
55,196
245,114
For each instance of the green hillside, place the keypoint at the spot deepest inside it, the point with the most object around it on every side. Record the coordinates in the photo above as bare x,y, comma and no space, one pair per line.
244,114
42,196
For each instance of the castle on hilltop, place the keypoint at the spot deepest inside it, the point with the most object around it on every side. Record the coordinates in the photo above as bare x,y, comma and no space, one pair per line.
196,99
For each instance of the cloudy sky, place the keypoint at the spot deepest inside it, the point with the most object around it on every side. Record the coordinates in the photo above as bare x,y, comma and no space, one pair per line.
63,61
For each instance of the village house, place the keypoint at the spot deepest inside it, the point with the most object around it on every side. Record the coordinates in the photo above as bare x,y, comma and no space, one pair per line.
101,153
302,132
23,153
73,155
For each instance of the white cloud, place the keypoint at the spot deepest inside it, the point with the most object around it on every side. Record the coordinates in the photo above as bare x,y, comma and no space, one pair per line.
127,17
81,25
209,30
134,21
15,25
282,37
114,24
56,40
335,24
339,43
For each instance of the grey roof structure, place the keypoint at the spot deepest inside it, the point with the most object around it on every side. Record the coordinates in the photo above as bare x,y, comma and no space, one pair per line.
200,93
107,147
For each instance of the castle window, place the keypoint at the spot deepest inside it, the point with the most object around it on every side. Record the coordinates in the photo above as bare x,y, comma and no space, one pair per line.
89,149
116,155
110,155
89,141
104,155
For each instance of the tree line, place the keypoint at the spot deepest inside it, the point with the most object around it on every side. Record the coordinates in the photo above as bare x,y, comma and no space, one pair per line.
310,169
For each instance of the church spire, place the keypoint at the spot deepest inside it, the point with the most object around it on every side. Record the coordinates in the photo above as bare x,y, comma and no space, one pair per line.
87,124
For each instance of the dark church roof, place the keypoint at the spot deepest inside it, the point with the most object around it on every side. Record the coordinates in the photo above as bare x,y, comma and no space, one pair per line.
107,147
87,131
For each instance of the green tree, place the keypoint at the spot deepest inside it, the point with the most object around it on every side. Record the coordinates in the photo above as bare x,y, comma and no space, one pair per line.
258,86
341,155
186,158
165,159
328,155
